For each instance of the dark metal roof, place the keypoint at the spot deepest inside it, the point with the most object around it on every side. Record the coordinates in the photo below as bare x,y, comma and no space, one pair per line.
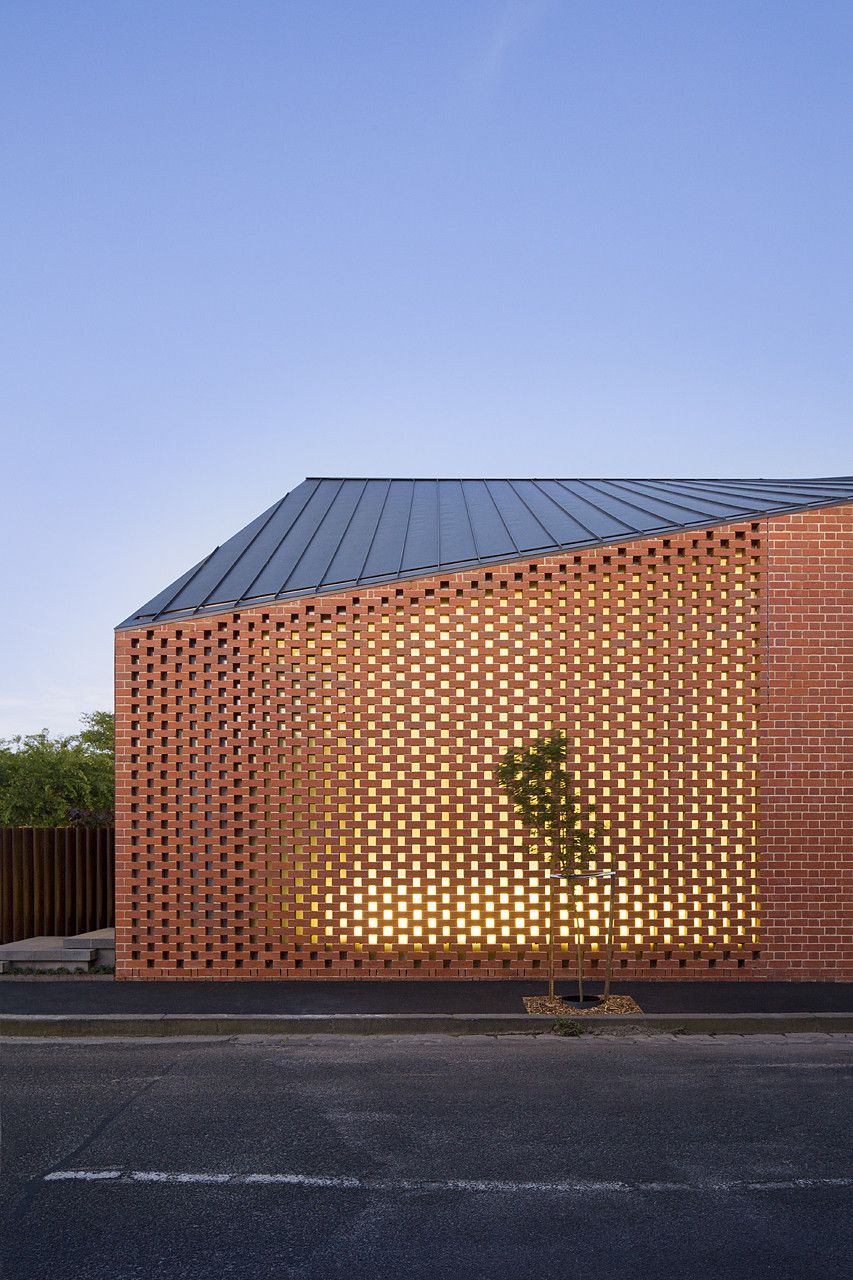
332,533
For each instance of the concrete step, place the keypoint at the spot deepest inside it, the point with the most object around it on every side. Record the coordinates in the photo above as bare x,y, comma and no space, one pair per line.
97,938
101,941
77,954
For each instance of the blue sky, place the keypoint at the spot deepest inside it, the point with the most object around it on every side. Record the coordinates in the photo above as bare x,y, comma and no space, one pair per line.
247,242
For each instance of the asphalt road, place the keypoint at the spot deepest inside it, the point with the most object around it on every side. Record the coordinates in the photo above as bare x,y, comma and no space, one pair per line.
426,1157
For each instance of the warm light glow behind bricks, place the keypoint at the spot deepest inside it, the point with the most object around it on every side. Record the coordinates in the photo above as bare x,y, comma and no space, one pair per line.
308,787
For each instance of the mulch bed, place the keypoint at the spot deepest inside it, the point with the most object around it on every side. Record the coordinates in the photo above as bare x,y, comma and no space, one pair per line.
560,1009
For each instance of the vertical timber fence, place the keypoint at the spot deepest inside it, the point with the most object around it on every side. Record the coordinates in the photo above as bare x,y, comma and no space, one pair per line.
55,881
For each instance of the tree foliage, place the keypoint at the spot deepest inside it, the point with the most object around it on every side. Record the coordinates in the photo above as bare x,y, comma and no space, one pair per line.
100,731
51,781
542,791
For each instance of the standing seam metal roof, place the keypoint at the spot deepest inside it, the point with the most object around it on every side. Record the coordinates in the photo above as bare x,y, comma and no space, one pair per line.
333,533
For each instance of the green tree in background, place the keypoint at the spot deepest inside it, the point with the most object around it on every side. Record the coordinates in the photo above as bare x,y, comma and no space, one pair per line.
100,731
48,781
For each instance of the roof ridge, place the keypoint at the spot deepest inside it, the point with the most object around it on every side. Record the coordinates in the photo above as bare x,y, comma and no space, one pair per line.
606,479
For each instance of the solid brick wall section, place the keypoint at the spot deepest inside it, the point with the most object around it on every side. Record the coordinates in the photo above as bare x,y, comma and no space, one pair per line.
806,812
307,789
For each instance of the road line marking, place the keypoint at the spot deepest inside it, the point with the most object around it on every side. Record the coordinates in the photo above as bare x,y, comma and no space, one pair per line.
348,1182
301,1180
795,1183
140,1175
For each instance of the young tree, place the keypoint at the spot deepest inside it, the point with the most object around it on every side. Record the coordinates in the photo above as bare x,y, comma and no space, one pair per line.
50,781
541,789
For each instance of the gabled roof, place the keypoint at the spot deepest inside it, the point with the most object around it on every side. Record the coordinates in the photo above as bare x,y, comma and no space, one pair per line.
332,533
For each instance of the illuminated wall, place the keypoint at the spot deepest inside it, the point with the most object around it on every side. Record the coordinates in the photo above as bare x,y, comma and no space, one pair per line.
307,789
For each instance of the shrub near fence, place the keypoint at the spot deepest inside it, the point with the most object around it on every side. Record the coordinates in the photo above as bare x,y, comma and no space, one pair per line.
56,881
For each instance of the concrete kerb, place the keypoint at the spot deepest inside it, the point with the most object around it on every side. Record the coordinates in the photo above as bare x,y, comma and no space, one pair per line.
166,1025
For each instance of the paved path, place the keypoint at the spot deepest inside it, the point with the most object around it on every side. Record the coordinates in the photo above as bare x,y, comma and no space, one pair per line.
68,995
428,1157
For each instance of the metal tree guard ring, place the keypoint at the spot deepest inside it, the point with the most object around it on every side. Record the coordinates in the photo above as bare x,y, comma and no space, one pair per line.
582,875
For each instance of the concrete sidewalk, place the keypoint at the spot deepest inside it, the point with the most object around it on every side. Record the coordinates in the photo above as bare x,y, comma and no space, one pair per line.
74,1009
366,996
228,1026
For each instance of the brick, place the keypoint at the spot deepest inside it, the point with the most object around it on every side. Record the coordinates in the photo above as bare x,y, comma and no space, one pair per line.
306,789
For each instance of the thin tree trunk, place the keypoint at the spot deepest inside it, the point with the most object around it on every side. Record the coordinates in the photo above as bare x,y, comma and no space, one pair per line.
551,914
579,936
558,786
608,972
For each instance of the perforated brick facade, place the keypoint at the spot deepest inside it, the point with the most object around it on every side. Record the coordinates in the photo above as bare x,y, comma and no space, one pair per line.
307,789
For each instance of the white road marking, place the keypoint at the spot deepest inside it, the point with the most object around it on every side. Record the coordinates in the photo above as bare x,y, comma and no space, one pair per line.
138,1175
797,1183
801,1066
302,1180
476,1185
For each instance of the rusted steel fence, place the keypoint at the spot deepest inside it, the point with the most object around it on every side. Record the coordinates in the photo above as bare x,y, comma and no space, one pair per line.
55,881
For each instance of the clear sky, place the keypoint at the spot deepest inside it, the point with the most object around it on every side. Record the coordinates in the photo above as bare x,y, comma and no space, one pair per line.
244,242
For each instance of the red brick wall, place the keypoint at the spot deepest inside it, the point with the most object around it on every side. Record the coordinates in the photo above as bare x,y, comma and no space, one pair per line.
307,789
806,811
